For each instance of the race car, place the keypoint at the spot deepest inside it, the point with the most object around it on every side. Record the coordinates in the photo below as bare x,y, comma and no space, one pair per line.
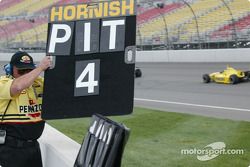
227,76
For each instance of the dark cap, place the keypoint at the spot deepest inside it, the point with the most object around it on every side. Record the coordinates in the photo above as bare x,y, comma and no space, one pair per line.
22,60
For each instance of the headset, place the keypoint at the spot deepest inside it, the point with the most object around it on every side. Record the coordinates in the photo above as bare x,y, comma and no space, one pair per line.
8,68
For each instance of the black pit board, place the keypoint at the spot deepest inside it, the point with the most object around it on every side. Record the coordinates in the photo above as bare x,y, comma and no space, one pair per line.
93,71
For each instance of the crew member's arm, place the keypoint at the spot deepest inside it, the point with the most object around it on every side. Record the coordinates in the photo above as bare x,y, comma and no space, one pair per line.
26,80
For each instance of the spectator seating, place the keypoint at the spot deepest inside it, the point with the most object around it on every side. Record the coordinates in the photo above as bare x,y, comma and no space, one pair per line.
26,20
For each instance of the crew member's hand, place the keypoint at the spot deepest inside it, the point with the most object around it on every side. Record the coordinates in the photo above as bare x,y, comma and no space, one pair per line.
45,63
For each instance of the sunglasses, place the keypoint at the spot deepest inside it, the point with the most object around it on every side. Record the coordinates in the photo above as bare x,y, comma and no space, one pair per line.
24,71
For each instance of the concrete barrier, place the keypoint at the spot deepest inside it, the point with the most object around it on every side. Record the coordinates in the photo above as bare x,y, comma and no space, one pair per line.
209,55
57,149
7,56
203,55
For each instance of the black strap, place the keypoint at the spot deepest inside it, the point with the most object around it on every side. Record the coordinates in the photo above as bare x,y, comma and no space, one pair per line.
5,110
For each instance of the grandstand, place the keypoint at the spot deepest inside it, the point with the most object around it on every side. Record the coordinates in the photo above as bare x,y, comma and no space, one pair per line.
161,24
203,23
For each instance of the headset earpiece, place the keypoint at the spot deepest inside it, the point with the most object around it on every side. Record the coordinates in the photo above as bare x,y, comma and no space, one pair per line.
8,69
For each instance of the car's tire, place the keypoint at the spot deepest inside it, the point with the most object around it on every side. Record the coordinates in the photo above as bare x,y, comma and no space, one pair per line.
234,79
247,75
138,73
206,78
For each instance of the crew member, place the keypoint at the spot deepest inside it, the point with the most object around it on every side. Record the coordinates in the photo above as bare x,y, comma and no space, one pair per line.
21,91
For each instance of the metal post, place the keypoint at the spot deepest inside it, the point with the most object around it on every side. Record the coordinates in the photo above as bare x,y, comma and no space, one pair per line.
197,25
140,38
234,35
167,43
21,37
7,35
31,21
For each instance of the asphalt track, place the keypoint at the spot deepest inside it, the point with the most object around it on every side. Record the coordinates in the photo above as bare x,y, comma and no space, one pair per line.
178,87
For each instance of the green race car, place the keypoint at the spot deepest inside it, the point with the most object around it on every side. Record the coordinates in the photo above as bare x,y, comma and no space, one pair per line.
227,76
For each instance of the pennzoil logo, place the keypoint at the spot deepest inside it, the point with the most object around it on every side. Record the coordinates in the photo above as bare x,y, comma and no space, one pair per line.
30,108
25,59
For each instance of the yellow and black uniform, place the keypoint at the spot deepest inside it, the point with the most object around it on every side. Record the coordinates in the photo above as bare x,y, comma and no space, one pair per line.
23,124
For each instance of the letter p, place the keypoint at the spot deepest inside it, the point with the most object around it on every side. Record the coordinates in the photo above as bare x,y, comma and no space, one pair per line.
54,39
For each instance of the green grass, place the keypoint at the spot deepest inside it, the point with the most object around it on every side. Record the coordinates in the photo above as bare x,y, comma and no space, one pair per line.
157,138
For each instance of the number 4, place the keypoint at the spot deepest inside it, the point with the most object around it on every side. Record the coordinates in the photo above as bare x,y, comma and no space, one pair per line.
90,83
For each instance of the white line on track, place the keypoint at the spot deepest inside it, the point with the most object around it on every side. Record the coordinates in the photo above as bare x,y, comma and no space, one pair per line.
190,104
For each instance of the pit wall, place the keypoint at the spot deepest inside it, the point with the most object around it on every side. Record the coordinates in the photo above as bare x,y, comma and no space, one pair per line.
57,149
